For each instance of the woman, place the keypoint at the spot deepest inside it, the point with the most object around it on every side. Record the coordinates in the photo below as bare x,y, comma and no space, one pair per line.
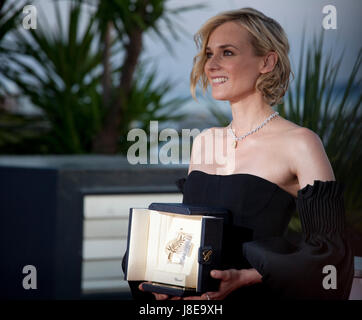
272,167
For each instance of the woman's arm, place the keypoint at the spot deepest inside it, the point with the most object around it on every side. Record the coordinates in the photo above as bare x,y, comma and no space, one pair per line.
320,206
309,160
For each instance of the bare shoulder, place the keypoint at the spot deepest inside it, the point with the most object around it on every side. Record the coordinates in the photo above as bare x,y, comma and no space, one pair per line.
309,160
304,137
297,136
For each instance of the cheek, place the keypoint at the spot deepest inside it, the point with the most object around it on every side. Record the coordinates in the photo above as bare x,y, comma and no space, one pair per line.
245,71
206,69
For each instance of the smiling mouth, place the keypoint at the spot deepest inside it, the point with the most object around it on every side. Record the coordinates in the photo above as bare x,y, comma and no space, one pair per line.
219,80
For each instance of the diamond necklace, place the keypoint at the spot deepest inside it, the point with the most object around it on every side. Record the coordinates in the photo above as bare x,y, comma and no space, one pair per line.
236,139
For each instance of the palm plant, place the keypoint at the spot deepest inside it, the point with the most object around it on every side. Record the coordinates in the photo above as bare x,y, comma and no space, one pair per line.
130,19
77,87
9,19
64,82
13,127
147,102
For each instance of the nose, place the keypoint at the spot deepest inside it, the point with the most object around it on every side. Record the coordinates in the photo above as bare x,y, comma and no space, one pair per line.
213,63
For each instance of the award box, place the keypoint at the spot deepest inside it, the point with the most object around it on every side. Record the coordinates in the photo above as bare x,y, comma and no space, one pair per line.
174,246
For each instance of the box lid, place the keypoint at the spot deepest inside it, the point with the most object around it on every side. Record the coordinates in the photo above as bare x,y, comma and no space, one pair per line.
186,209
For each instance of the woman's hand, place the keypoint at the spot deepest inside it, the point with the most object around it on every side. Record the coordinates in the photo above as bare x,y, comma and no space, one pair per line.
231,280
159,296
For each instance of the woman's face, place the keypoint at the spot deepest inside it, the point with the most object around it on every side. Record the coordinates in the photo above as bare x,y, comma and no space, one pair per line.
231,66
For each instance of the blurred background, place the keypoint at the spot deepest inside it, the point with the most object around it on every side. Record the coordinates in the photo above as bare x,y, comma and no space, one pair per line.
79,75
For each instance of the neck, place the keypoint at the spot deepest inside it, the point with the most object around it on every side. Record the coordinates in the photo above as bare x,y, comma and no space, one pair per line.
249,113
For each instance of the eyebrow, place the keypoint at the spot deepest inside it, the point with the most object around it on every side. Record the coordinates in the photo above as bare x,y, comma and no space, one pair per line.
224,46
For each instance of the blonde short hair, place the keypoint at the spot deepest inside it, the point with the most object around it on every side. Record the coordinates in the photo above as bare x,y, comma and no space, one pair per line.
265,35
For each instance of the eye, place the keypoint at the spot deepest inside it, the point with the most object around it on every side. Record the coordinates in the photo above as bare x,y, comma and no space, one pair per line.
228,53
208,55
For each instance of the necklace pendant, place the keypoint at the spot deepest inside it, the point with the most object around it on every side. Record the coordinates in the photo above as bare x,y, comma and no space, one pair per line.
234,144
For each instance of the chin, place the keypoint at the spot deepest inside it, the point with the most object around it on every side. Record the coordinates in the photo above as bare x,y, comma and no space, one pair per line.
221,96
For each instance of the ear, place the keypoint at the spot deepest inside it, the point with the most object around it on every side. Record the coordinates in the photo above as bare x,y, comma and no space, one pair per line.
269,62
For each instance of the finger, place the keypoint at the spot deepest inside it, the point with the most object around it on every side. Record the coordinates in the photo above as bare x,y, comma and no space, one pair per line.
205,296
212,295
140,286
223,275
160,296
217,296
194,298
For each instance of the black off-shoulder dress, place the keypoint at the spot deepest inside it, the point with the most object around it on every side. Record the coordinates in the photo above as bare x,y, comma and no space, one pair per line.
260,213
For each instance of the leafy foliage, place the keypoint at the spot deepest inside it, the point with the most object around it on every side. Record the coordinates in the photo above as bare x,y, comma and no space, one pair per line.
64,83
147,103
62,72
13,127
